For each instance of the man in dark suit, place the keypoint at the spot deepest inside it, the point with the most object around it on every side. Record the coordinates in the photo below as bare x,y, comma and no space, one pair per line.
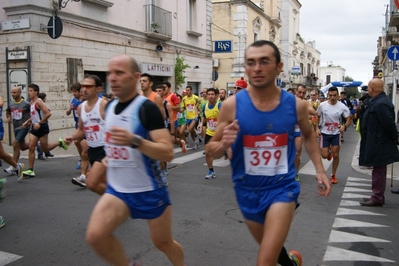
378,143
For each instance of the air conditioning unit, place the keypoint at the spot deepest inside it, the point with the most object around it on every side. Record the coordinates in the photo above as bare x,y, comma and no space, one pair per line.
215,62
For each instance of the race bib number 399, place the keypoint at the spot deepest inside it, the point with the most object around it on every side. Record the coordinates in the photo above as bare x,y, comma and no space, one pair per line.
266,154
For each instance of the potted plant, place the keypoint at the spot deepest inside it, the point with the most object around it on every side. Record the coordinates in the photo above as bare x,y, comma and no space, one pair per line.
155,26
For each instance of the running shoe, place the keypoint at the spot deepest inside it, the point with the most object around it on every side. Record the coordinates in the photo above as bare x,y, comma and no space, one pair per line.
296,257
183,146
329,157
48,154
19,171
196,145
210,175
297,178
41,158
333,179
3,182
78,167
63,144
28,173
79,181
10,170
2,222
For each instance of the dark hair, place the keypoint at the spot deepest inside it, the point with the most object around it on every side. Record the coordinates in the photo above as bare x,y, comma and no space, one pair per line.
290,89
333,89
189,87
212,89
96,79
167,83
160,86
342,92
150,78
76,87
261,43
41,95
34,87
300,85
223,90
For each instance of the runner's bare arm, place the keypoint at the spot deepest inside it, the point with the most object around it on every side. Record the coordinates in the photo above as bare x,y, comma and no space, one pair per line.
45,110
226,130
103,107
312,147
79,133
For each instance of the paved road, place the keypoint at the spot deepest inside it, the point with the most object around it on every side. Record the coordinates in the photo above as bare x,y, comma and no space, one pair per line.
46,218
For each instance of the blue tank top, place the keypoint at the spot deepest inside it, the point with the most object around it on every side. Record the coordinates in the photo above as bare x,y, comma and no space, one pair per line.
264,151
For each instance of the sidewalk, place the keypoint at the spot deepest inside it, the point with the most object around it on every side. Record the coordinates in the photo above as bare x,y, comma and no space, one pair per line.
58,152
390,170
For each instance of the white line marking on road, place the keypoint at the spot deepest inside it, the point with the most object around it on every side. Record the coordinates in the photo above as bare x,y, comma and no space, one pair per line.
353,189
6,258
353,195
220,162
339,254
187,158
308,168
341,222
345,211
343,237
347,203
350,178
356,184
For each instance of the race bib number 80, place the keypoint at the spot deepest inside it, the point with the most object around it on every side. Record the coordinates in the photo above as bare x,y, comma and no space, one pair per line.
266,154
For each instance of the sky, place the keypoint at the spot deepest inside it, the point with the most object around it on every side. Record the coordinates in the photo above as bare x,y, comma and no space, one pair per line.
345,31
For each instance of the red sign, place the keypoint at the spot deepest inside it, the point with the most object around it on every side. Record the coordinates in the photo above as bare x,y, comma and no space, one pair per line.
396,3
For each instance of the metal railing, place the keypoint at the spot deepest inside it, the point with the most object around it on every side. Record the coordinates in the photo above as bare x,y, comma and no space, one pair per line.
158,20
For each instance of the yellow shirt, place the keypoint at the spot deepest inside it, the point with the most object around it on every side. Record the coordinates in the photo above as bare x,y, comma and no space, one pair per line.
211,115
190,104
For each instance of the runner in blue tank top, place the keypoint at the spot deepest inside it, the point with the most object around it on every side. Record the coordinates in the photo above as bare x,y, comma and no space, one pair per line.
263,152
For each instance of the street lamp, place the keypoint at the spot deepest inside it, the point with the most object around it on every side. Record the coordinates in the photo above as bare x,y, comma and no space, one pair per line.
63,3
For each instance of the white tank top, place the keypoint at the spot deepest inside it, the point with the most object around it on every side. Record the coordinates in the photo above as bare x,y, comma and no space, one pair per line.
36,114
129,171
93,125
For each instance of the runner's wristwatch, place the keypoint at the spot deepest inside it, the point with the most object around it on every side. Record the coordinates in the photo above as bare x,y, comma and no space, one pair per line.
136,141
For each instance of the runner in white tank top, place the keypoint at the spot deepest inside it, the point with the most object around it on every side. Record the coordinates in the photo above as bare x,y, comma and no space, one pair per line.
91,125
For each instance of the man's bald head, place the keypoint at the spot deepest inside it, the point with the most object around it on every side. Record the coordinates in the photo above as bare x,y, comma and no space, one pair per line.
17,89
134,67
375,87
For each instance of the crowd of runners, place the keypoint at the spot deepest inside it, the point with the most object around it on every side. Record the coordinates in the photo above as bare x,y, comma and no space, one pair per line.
125,144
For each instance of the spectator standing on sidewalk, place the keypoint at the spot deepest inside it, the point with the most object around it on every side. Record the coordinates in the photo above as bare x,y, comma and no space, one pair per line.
378,143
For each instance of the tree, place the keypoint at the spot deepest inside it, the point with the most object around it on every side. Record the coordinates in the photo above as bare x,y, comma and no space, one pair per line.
180,68
351,91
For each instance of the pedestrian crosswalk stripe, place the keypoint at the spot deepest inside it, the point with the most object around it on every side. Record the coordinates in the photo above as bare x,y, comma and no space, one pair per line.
6,258
345,211
354,189
339,254
341,222
353,195
343,237
349,203
308,168
350,178
355,184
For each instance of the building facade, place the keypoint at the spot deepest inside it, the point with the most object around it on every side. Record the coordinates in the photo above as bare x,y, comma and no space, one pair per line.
331,73
235,25
301,59
154,32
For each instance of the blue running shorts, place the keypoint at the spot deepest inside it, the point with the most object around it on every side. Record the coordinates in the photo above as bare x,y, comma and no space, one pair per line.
144,205
254,202
330,140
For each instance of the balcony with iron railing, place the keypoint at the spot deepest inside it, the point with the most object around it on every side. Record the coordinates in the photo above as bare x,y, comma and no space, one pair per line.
158,22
